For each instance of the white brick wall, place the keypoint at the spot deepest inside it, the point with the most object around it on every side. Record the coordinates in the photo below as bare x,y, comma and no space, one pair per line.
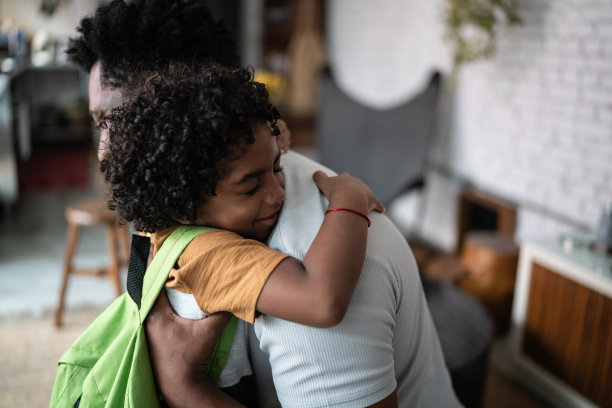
534,123
535,119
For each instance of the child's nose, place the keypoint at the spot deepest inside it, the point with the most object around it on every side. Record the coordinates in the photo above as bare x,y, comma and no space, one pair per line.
276,194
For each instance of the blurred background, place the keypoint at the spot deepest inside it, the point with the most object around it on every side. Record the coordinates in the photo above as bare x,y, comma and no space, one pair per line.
485,126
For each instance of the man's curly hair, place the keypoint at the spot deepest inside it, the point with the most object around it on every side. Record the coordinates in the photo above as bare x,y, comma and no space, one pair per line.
172,143
130,37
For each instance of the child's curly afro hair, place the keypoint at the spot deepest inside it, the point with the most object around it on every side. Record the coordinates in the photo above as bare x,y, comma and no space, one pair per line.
171,144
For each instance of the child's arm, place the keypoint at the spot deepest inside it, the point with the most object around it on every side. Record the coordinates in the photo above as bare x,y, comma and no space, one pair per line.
318,291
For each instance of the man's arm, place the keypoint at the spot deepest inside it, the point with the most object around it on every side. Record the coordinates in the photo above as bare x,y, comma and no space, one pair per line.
180,350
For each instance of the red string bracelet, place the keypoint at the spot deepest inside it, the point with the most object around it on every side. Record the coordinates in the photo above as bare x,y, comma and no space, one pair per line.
351,210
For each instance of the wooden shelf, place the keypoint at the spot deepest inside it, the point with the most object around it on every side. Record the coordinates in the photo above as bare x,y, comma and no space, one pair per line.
562,323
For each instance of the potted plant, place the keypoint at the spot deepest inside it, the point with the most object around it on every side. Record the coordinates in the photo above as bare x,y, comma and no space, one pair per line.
470,26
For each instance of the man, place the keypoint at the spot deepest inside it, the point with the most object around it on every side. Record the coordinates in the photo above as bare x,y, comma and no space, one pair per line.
385,352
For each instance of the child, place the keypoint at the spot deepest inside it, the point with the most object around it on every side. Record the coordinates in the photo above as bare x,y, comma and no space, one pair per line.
198,147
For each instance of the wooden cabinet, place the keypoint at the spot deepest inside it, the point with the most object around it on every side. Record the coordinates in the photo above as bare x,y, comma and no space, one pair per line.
278,25
51,108
562,322
293,49
280,22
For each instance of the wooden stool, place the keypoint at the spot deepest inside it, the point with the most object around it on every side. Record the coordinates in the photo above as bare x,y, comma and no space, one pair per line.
489,262
92,213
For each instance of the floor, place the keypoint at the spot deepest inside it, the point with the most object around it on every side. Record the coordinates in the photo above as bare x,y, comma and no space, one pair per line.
32,238
32,241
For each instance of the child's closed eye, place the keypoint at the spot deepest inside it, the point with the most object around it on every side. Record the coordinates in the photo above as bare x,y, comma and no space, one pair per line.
254,190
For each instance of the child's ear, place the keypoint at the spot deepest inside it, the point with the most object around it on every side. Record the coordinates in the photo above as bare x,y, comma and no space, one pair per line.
199,217
185,221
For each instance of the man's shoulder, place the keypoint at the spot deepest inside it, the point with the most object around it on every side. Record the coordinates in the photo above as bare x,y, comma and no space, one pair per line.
304,210
302,165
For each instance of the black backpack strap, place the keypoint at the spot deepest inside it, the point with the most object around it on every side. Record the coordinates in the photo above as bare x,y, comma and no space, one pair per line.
139,254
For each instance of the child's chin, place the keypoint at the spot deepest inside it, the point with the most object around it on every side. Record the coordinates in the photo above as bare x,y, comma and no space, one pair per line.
262,234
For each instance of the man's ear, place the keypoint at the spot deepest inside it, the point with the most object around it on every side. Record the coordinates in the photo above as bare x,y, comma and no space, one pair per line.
283,140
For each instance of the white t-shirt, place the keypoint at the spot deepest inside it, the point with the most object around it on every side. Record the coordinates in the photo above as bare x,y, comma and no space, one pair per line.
387,339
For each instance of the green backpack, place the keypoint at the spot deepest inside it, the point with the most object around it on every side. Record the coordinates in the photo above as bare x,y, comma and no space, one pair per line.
108,365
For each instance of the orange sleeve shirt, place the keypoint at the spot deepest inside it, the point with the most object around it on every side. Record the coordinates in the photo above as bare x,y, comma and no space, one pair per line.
223,271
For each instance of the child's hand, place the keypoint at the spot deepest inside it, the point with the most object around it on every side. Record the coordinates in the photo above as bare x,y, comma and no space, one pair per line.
349,191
